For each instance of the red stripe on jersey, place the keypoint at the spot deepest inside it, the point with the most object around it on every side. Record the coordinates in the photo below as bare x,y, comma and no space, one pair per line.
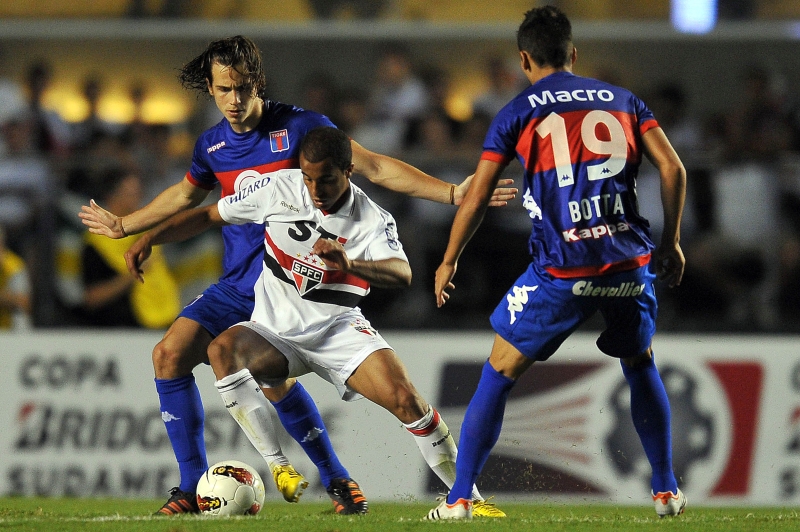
605,269
647,125
195,182
228,179
495,157
429,428
537,152
328,277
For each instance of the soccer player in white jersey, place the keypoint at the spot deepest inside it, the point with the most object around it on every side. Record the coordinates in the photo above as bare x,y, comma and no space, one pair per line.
326,243
256,136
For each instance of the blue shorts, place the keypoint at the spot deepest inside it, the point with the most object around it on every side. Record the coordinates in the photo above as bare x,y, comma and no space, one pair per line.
540,311
218,308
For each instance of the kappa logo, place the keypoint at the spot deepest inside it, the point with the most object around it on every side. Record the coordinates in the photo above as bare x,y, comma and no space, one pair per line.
312,435
518,299
166,417
530,204
306,277
216,146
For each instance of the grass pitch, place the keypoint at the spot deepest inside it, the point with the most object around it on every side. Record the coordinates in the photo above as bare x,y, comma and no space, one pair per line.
67,515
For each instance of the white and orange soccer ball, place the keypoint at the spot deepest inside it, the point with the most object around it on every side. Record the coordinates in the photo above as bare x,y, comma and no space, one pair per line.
230,487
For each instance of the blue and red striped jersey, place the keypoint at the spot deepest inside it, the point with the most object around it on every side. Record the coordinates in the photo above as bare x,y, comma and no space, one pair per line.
579,141
235,160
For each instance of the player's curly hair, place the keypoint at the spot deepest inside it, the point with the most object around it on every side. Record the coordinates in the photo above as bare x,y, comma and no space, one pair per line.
327,143
239,53
546,34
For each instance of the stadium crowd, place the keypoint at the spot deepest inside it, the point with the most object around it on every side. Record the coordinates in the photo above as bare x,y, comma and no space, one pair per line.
740,232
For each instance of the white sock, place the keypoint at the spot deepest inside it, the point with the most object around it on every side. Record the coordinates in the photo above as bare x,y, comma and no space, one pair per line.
245,401
437,447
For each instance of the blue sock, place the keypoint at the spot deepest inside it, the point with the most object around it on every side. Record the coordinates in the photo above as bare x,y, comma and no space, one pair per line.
480,430
182,412
301,419
651,417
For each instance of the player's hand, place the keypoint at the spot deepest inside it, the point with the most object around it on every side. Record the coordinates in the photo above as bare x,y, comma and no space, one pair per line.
501,196
669,264
332,254
135,257
444,277
100,221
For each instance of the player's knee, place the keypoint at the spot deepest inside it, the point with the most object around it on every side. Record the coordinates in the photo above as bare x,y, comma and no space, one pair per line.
222,356
170,362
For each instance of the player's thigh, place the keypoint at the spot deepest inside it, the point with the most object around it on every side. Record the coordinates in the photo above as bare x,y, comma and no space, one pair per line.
337,352
539,312
182,348
630,318
242,347
382,378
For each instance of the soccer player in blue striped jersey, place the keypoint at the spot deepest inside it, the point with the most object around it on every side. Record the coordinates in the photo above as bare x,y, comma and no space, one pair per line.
580,142
255,136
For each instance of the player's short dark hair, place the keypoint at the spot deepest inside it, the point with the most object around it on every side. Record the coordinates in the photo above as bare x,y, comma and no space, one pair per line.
239,53
327,143
546,34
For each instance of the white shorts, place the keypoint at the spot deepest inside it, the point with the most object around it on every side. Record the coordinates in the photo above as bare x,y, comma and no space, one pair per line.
333,354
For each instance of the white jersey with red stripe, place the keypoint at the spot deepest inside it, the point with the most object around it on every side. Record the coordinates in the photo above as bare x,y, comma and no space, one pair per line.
297,296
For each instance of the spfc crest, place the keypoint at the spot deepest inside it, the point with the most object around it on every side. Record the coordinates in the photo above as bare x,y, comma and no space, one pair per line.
306,277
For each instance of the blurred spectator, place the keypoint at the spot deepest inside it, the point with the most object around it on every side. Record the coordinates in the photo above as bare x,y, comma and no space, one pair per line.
760,125
365,9
318,92
133,130
434,152
93,126
737,9
51,134
374,134
112,297
25,175
669,106
505,82
397,96
473,133
165,9
737,262
15,289
437,85
159,165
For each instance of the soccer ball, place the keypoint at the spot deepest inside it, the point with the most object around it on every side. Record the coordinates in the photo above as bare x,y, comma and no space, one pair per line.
230,488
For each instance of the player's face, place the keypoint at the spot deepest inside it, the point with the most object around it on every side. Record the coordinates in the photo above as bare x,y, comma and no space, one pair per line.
327,185
234,98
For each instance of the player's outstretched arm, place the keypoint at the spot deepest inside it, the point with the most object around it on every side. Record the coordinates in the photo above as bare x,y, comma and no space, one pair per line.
669,256
387,273
399,176
178,228
468,219
178,197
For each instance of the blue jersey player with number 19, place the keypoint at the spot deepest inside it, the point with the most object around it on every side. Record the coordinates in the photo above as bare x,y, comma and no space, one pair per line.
580,142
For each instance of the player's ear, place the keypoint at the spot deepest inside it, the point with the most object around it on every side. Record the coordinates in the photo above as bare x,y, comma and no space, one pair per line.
525,61
349,170
574,55
208,86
